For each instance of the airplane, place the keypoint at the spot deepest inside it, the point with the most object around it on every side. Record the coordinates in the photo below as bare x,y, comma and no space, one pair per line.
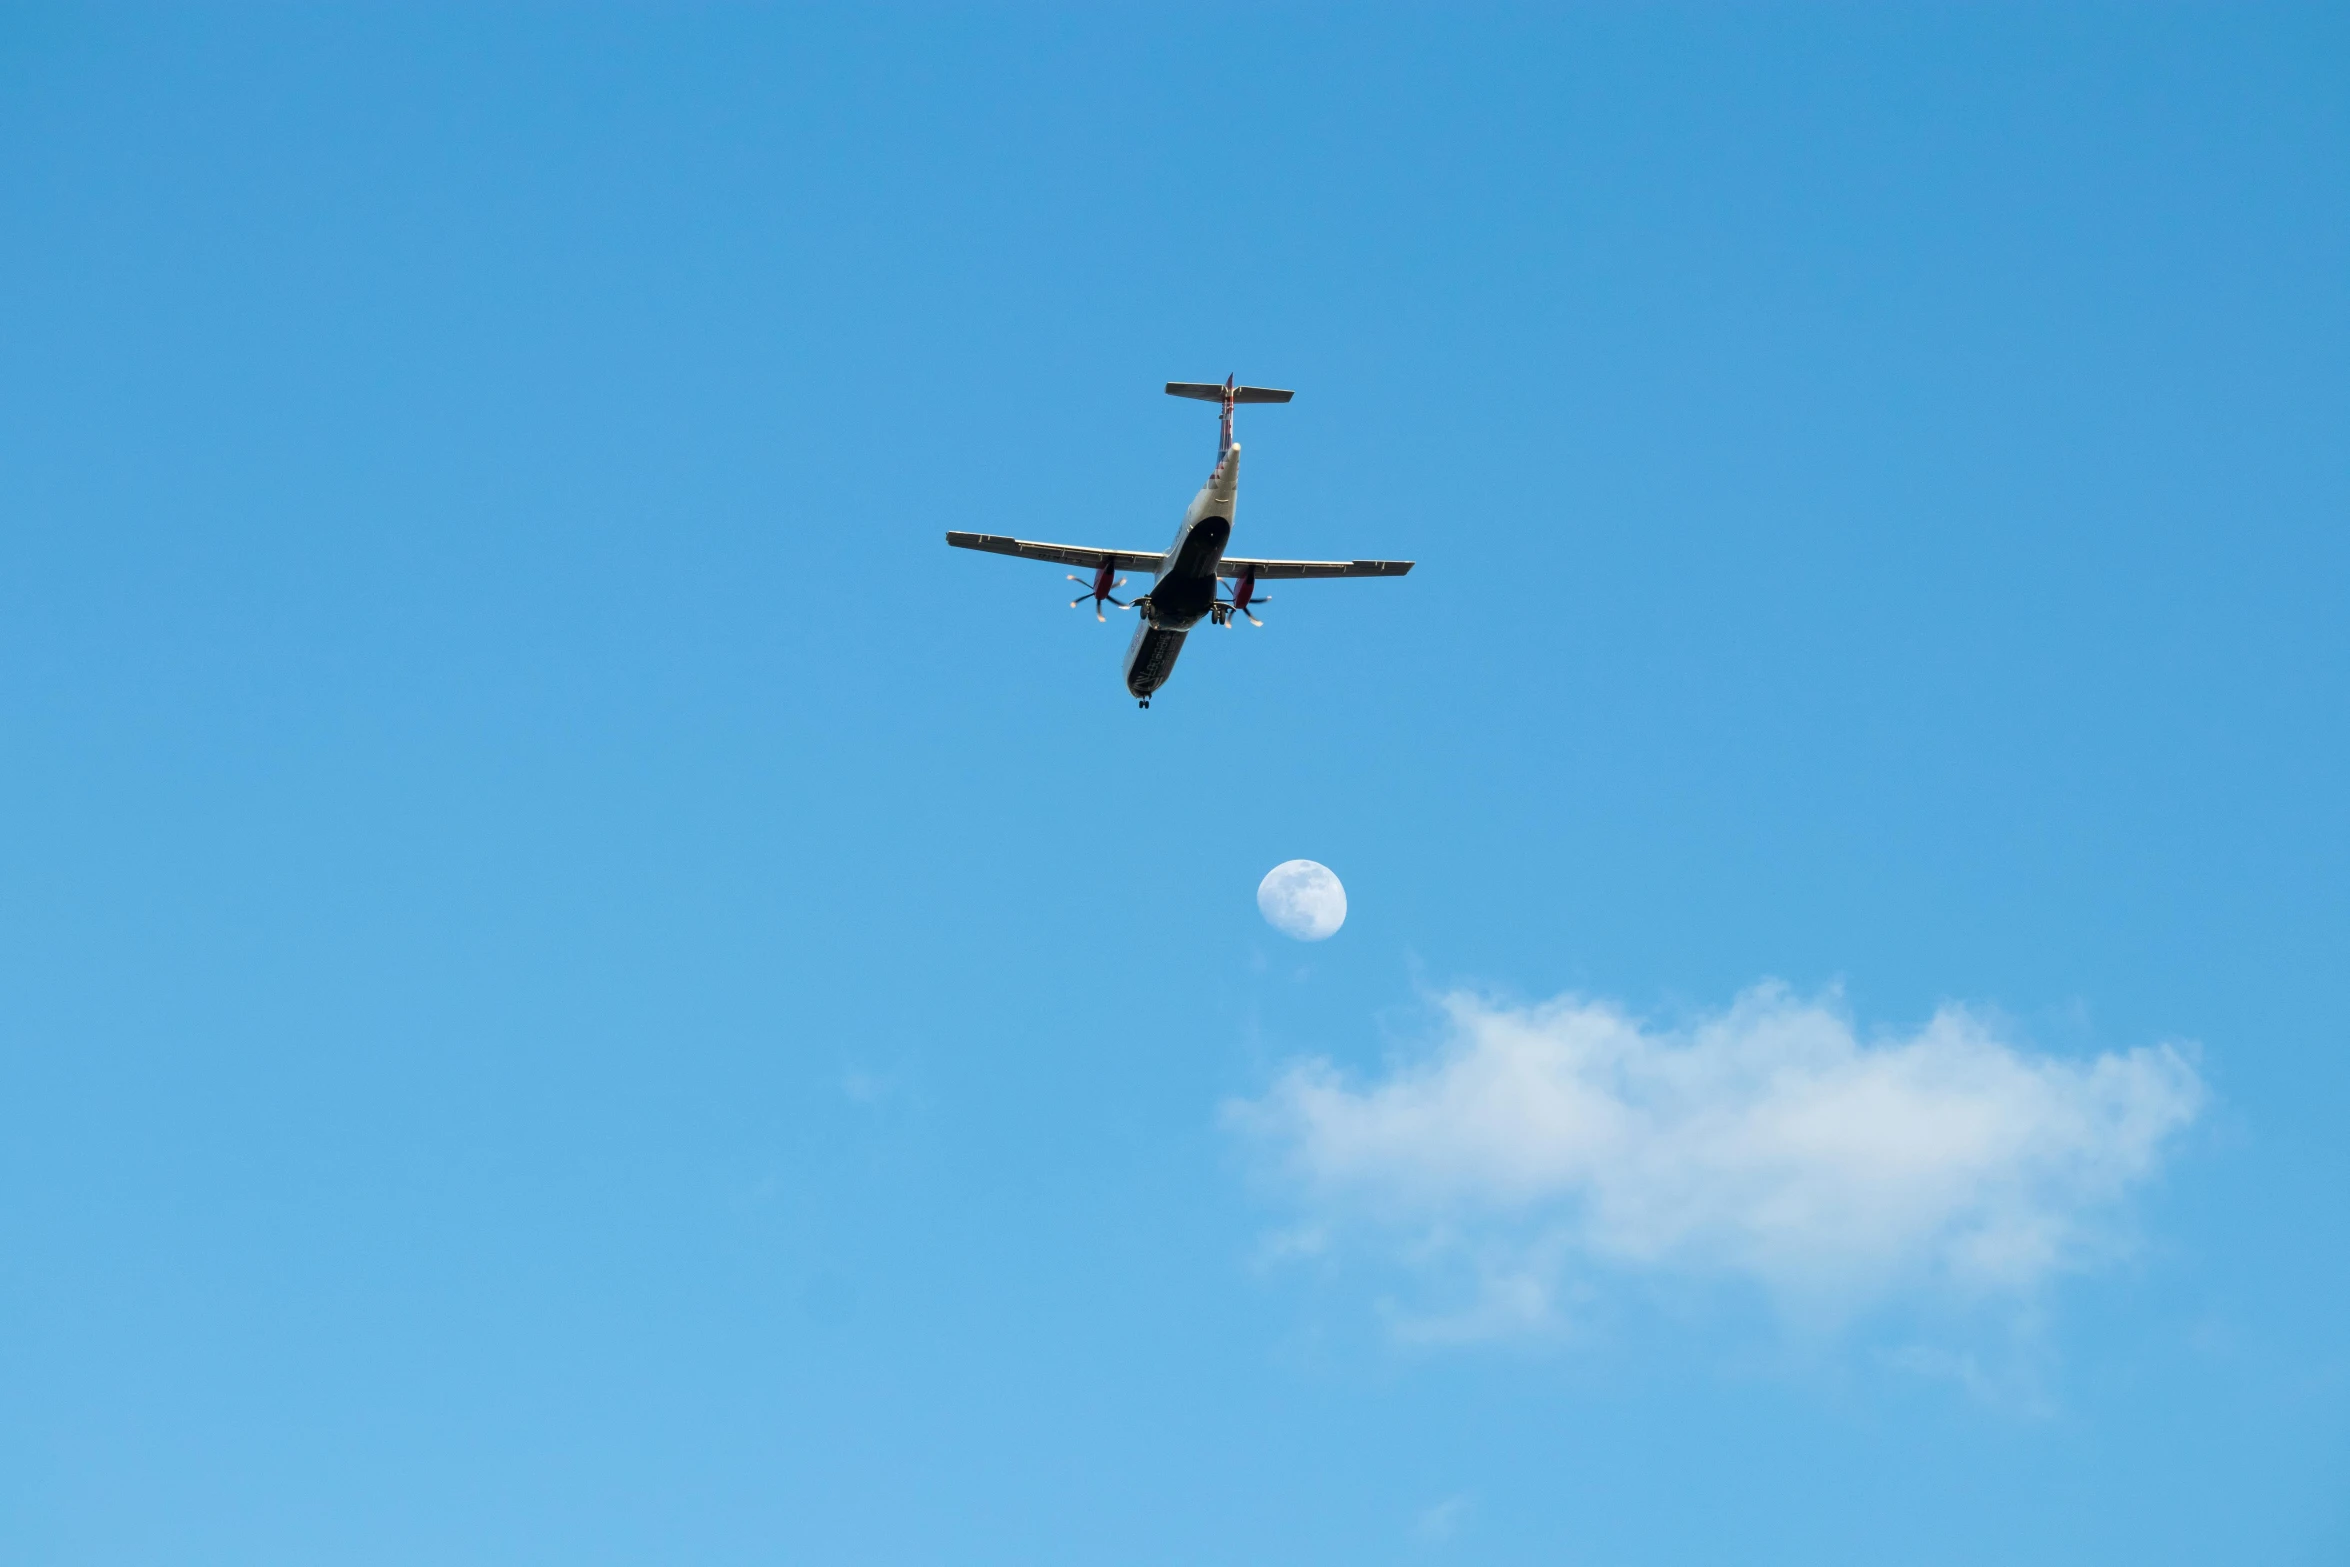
1185,579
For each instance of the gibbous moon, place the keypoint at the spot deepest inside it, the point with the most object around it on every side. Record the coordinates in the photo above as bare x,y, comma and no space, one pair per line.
1302,899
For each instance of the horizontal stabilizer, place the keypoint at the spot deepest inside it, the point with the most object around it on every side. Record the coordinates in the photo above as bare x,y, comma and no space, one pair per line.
1213,392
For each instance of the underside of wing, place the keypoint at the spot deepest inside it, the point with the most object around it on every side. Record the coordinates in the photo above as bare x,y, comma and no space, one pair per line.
1060,554
1267,570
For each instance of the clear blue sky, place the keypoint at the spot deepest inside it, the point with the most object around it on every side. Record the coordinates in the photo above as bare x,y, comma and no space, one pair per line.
576,988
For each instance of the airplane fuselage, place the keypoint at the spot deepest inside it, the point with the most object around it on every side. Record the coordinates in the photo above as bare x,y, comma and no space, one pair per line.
1185,590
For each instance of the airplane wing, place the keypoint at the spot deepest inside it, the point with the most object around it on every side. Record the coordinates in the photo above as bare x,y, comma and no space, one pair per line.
1267,570
1063,554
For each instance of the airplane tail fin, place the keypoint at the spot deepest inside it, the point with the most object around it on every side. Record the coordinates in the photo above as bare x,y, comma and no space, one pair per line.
1228,395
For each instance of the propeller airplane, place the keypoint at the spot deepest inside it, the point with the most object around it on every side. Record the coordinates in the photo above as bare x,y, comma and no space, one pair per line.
1185,580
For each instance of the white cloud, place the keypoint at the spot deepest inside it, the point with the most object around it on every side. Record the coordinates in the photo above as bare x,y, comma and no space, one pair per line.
1539,1147
866,1088
1440,1521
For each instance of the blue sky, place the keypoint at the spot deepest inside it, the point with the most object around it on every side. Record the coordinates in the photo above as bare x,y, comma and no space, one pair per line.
575,987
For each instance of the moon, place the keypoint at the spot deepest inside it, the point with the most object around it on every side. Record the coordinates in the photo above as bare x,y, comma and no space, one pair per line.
1302,899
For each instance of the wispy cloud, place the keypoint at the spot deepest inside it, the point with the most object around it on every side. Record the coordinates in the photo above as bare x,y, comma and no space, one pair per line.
863,1087
1439,1522
1534,1149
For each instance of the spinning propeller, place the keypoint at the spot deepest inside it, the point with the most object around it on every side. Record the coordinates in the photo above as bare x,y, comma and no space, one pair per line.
1244,593
1099,588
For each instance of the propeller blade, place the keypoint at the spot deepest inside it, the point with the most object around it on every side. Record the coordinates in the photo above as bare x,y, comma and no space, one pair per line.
1252,620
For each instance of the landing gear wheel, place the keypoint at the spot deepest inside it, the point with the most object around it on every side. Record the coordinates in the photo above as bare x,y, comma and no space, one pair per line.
1146,701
